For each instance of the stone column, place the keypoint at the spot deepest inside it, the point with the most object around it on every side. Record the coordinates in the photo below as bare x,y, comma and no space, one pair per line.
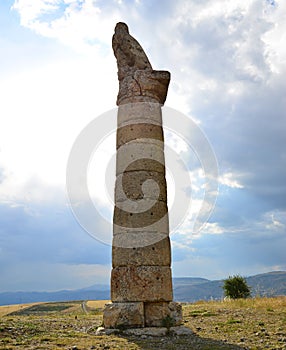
141,278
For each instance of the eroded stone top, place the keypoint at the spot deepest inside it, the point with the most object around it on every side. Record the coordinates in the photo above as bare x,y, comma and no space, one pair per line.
138,82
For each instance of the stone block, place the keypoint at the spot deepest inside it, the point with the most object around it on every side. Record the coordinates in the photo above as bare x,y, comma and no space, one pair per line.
141,283
136,185
139,214
136,156
138,131
158,228
136,98
139,112
137,239
118,315
181,331
143,85
159,314
157,254
153,84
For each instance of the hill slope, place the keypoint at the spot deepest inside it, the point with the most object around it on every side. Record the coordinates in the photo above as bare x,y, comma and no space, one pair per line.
266,284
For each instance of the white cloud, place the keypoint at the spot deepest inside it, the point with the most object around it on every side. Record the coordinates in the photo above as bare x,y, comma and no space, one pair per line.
30,9
45,108
80,24
275,37
227,60
53,277
101,173
228,179
213,228
275,221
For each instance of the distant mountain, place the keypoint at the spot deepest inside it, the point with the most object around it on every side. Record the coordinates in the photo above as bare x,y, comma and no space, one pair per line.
188,281
8,298
186,289
266,284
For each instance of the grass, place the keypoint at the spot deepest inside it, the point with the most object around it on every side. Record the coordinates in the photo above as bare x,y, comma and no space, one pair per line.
42,309
7,309
254,324
97,304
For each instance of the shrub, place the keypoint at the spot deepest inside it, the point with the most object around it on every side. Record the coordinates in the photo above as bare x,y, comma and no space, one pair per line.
236,287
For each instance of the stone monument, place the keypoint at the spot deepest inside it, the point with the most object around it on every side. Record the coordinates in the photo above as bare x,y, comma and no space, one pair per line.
141,278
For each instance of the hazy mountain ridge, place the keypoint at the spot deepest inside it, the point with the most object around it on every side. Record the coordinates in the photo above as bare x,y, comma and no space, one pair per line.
186,289
266,284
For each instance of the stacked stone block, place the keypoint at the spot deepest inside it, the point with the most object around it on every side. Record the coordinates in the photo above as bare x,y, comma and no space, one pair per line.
141,278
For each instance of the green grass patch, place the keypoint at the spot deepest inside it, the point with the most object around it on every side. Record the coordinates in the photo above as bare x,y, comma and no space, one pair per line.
208,314
41,309
202,313
195,313
233,321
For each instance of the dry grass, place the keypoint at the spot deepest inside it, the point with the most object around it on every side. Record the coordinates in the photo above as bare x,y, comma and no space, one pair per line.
258,303
254,324
7,309
97,304
258,323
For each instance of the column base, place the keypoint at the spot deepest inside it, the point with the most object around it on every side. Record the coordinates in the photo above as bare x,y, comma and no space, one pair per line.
139,315
163,314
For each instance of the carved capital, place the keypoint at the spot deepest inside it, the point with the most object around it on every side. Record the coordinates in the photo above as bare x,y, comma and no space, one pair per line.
138,82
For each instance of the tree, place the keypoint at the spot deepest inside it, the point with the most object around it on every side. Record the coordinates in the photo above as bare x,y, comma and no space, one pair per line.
236,287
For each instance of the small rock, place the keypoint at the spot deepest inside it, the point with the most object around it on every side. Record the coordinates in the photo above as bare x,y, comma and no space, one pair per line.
75,348
180,330
100,331
92,347
149,331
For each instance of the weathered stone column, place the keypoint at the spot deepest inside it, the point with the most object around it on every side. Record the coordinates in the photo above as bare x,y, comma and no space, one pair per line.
141,279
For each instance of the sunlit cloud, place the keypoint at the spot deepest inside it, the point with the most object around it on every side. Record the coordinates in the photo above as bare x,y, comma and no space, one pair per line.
228,179
227,60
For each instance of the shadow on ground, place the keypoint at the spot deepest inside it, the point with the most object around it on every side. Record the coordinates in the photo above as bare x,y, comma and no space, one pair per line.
193,342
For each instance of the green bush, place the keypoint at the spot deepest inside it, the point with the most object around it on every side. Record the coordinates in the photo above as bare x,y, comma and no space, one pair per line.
236,287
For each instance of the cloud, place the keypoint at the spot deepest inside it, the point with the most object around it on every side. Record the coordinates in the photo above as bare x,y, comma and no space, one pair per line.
84,25
258,246
228,179
47,233
2,175
53,276
227,60
53,103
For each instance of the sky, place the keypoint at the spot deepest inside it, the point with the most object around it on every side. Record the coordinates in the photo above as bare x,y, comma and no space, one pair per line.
58,74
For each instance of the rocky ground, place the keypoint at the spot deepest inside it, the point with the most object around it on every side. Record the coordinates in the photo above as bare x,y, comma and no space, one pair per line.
258,323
